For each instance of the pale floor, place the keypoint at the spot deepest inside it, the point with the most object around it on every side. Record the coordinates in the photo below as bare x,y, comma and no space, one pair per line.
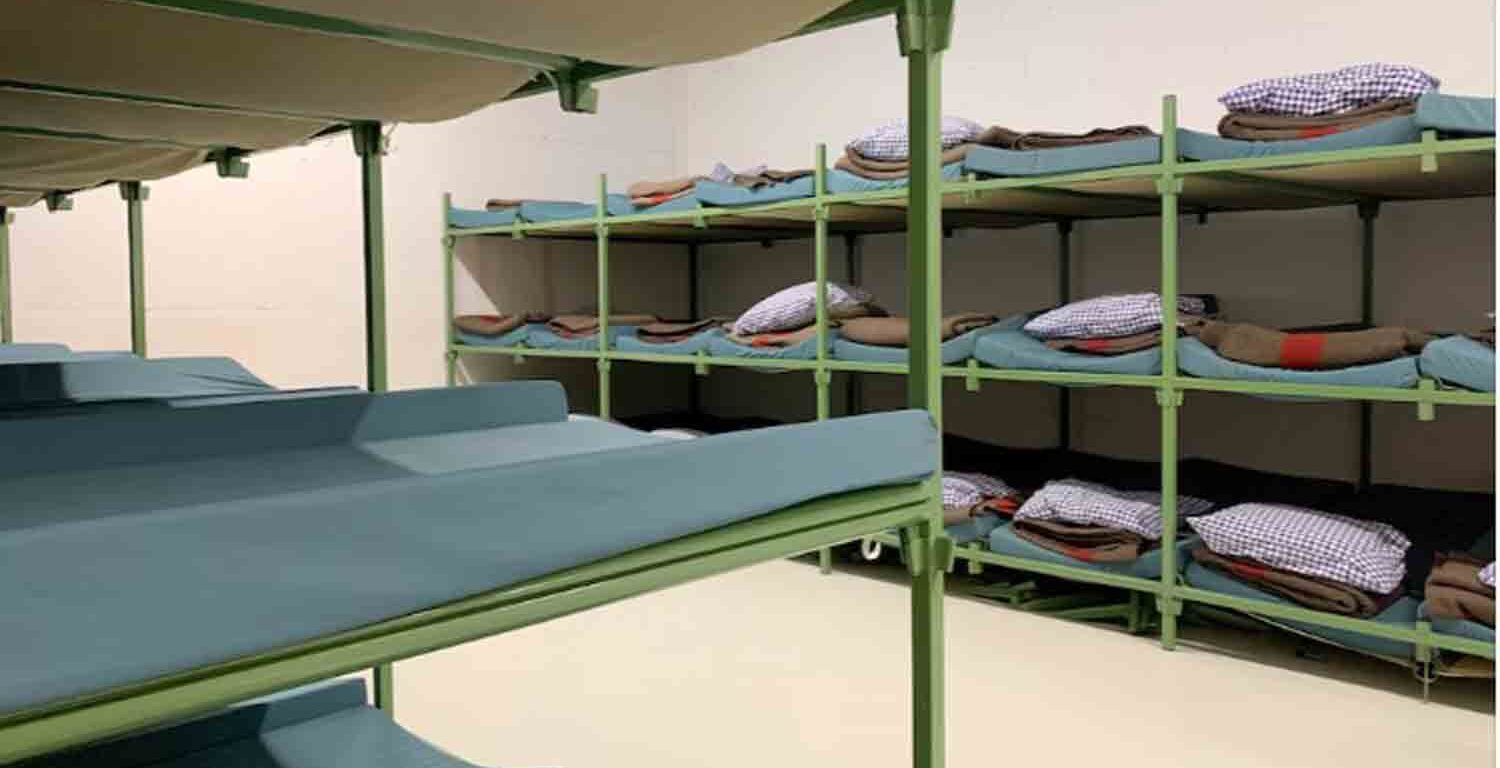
778,665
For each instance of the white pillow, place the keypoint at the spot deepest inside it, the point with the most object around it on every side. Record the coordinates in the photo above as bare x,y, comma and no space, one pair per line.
796,307
1360,553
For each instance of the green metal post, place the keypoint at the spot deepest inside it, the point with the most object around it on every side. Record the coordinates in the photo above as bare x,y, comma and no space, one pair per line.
450,358
695,308
854,272
134,194
925,28
7,332
369,144
1367,213
601,231
1064,294
1168,396
822,377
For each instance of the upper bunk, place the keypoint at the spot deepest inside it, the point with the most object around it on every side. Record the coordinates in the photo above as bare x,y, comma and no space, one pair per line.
146,105
1445,150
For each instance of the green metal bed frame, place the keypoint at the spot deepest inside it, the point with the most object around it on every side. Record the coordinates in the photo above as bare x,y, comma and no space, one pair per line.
924,30
1158,190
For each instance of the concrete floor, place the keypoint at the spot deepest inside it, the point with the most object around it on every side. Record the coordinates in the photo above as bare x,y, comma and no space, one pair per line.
780,666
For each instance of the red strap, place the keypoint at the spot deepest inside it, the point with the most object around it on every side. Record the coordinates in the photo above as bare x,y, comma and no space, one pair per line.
1303,350
1313,133
1246,571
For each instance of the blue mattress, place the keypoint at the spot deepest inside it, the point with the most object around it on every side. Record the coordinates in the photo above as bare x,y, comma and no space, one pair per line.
840,181
539,336
1458,627
1456,114
1196,358
1403,613
954,351
974,529
468,218
699,342
1019,351
50,353
994,161
423,539
730,195
1460,361
116,378
508,339
722,346
537,211
1004,541
1193,145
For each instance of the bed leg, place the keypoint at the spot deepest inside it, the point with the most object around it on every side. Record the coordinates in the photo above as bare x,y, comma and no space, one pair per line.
825,560
927,647
385,688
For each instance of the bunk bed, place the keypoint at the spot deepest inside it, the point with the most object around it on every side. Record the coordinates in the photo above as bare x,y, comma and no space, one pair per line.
280,474
1445,151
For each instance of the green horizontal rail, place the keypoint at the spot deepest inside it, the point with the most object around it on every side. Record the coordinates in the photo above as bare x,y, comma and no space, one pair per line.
781,534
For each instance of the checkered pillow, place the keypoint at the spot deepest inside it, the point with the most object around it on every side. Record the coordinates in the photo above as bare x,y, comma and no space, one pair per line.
1326,93
796,307
965,489
1360,553
1105,317
890,141
1085,503
1487,575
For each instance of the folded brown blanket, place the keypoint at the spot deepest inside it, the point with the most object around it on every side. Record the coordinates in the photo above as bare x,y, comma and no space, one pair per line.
896,331
1005,506
577,326
1005,138
1311,591
488,325
1089,543
1257,126
1454,590
885,170
502,203
1307,351
1118,345
668,188
667,332
778,339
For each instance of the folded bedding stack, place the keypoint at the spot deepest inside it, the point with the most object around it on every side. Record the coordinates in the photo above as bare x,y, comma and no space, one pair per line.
1111,325
1318,104
967,495
645,194
883,153
787,319
1321,560
587,326
1254,345
896,331
1095,523
1461,588
675,331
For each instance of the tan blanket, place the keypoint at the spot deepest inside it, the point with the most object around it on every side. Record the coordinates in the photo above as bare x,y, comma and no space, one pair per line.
778,339
998,136
1307,351
1089,543
1256,126
576,326
896,331
886,170
667,332
1118,345
488,325
1313,592
1454,591
670,187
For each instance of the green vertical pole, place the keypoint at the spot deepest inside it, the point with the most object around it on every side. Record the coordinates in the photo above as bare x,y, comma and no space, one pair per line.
695,309
1168,396
450,357
822,377
369,144
134,194
7,332
854,271
1367,213
601,230
924,28
1064,295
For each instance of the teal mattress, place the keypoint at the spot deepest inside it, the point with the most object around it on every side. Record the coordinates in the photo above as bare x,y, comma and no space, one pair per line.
422,478
1193,145
116,378
469,218
1198,359
974,529
841,181
1460,361
1018,350
994,161
1004,541
512,338
722,346
539,336
326,725
1458,627
1468,115
538,211
50,353
628,342
731,195
954,351
1403,613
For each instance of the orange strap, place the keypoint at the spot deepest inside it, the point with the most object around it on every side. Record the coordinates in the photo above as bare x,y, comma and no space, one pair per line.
1303,350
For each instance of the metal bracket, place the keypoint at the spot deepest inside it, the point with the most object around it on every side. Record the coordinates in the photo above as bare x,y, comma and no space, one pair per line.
1426,409
134,190
921,554
602,230
700,364
603,364
1168,606
59,201
822,377
971,375
574,93
1429,157
368,140
1368,209
1169,185
699,222
1169,398
924,26
970,195
519,358
820,212
450,242
231,163
518,234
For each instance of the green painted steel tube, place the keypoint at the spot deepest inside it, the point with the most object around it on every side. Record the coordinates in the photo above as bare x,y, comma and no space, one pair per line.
601,233
369,144
134,194
7,309
1367,213
450,357
821,375
1168,396
1064,295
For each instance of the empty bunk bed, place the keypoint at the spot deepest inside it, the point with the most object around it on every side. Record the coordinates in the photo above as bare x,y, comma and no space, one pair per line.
118,543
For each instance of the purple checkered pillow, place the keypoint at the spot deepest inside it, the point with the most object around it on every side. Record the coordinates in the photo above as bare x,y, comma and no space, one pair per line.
1106,316
1326,93
1487,575
1085,503
965,489
796,307
1360,553
891,142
